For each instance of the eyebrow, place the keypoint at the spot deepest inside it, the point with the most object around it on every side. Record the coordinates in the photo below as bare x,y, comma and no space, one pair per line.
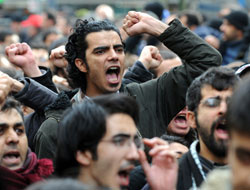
107,47
242,150
121,135
19,124
5,125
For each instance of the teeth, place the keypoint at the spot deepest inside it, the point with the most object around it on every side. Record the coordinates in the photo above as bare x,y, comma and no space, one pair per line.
113,68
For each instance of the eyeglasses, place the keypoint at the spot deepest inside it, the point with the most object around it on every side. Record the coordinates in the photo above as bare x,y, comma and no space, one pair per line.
126,141
215,101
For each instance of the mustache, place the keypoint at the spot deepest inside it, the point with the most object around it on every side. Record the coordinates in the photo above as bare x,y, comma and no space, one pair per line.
218,121
128,163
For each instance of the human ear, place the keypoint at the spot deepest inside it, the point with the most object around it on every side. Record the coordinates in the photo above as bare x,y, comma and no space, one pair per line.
81,65
83,157
190,116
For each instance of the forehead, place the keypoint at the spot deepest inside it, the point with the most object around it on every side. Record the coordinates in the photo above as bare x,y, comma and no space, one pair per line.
227,23
103,38
120,123
208,91
10,117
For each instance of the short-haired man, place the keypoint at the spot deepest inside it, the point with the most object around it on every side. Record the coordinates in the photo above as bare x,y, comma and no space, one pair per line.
98,144
233,29
19,166
237,177
207,99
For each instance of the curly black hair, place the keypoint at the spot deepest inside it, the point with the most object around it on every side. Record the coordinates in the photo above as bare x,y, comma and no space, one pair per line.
77,45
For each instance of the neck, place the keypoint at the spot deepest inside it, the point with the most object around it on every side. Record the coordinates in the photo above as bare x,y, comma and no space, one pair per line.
206,153
87,179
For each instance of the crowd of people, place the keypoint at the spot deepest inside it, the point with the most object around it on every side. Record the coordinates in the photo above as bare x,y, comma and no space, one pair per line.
158,102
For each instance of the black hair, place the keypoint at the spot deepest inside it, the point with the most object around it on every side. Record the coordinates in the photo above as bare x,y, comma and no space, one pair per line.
49,31
220,78
77,45
119,103
172,138
11,103
51,16
81,128
84,125
192,18
239,107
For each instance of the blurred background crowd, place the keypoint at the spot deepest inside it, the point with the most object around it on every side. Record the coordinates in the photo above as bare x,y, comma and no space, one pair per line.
46,24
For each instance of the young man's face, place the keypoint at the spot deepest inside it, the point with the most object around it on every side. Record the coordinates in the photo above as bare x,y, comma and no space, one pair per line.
13,140
230,33
116,154
210,120
239,160
105,59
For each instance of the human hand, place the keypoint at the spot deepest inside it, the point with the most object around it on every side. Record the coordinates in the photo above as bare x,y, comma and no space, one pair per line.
21,55
60,81
213,41
162,174
57,57
137,23
7,85
150,57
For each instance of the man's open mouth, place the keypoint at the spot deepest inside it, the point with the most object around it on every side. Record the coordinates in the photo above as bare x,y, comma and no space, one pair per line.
11,158
113,74
181,121
221,130
124,176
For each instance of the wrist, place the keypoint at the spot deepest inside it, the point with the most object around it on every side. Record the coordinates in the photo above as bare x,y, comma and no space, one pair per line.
158,28
32,71
17,86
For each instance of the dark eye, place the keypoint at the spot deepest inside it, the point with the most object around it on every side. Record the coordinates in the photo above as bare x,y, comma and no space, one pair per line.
19,131
1,130
120,50
243,156
212,102
120,141
100,52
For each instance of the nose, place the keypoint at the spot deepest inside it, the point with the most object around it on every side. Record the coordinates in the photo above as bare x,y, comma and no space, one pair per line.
133,152
222,27
12,137
223,108
113,55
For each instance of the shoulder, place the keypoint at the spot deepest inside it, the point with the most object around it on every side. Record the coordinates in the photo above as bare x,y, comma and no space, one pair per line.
218,179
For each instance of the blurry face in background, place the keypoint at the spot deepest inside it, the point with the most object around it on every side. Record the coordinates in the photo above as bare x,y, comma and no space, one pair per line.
41,56
230,33
239,160
178,125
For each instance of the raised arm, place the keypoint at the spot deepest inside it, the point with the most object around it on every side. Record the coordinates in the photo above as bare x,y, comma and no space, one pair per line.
160,100
20,54
149,59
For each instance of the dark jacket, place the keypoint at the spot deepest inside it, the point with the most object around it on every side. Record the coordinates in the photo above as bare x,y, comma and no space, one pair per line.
161,99
30,96
46,137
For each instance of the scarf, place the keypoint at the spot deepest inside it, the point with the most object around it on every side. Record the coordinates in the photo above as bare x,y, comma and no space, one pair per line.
33,170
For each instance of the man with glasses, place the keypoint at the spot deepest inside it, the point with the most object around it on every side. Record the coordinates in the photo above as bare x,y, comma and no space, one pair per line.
98,144
207,99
